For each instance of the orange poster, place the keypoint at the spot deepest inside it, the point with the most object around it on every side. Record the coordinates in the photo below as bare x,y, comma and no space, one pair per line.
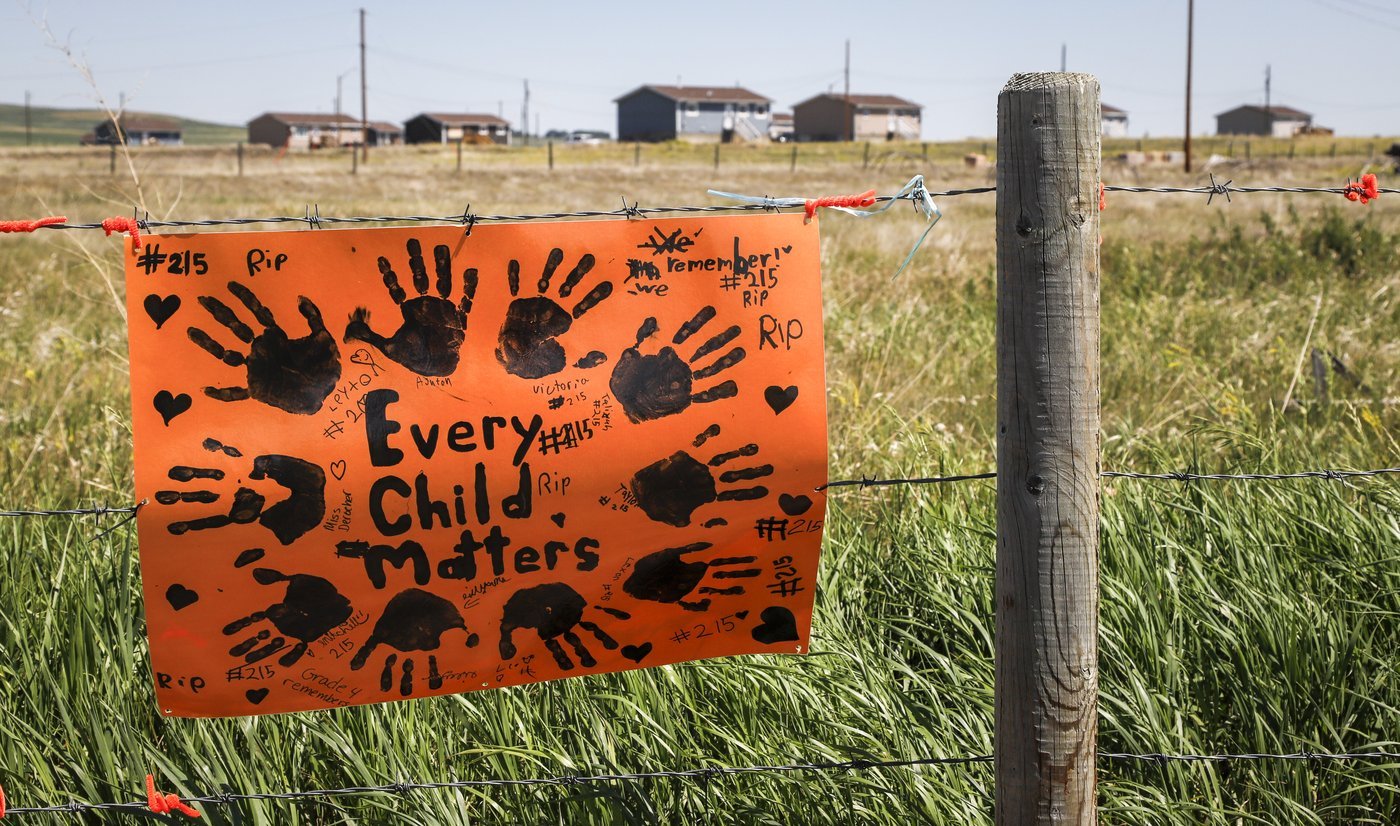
390,463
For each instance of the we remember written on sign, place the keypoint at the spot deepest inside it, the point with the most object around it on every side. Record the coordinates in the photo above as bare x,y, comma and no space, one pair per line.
394,463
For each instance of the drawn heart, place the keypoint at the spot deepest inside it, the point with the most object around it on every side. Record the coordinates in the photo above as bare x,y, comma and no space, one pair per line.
169,406
161,309
741,614
636,653
362,357
255,695
338,469
779,625
780,398
180,597
557,519
248,557
794,505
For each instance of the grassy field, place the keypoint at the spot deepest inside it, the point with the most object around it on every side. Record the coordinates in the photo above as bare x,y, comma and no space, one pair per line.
1235,617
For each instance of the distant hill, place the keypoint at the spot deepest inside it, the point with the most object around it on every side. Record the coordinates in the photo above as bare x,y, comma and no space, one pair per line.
64,127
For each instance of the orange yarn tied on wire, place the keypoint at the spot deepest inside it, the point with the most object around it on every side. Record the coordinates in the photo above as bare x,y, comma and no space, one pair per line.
163,804
865,199
123,224
1365,191
30,226
2,802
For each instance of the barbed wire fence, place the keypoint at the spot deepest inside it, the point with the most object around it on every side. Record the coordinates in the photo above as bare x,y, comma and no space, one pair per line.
916,195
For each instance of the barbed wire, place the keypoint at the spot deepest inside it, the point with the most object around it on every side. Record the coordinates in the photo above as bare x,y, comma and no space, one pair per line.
315,220
704,774
874,482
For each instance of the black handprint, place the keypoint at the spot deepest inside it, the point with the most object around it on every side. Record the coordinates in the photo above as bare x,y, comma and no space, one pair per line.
413,620
292,374
429,341
288,520
528,344
311,607
650,387
665,577
670,490
554,610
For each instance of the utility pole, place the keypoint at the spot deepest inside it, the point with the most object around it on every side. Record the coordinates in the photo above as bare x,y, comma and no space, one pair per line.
27,134
1063,48
1268,71
850,117
525,115
1190,25
364,94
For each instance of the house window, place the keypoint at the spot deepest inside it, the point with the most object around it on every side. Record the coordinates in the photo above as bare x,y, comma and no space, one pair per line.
760,110
692,109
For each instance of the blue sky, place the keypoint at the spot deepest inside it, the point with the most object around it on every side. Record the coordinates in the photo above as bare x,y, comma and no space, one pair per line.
229,62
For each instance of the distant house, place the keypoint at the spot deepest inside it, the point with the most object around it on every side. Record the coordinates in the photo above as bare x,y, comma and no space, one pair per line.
304,131
1114,121
384,133
439,127
1274,121
693,113
833,117
145,130
781,128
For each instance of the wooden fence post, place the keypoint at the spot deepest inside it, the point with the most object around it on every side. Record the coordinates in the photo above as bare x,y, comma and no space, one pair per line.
716,157
792,167
551,156
459,154
240,159
1047,593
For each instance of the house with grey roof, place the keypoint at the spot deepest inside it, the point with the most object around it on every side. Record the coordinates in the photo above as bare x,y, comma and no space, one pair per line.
445,127
1274,121
833,117
693,113
1113,122
303,130
142,130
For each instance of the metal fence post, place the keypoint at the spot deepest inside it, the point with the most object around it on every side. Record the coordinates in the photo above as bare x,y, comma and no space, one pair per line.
1047,593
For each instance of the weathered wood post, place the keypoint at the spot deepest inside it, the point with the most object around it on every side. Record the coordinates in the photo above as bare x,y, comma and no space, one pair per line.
240,159
792,167
1047,592
459,154
551,156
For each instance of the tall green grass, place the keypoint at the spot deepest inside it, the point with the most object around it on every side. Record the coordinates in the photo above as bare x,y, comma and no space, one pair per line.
1235,617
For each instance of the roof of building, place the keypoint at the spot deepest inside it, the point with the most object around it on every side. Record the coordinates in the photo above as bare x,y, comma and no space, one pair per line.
686,94
1287,112
463,119
782,117
1112,110
384,126
866,100
145,123
310,119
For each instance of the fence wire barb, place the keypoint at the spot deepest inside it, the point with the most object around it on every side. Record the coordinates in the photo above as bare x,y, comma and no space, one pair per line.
873,482
703,775
315,220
